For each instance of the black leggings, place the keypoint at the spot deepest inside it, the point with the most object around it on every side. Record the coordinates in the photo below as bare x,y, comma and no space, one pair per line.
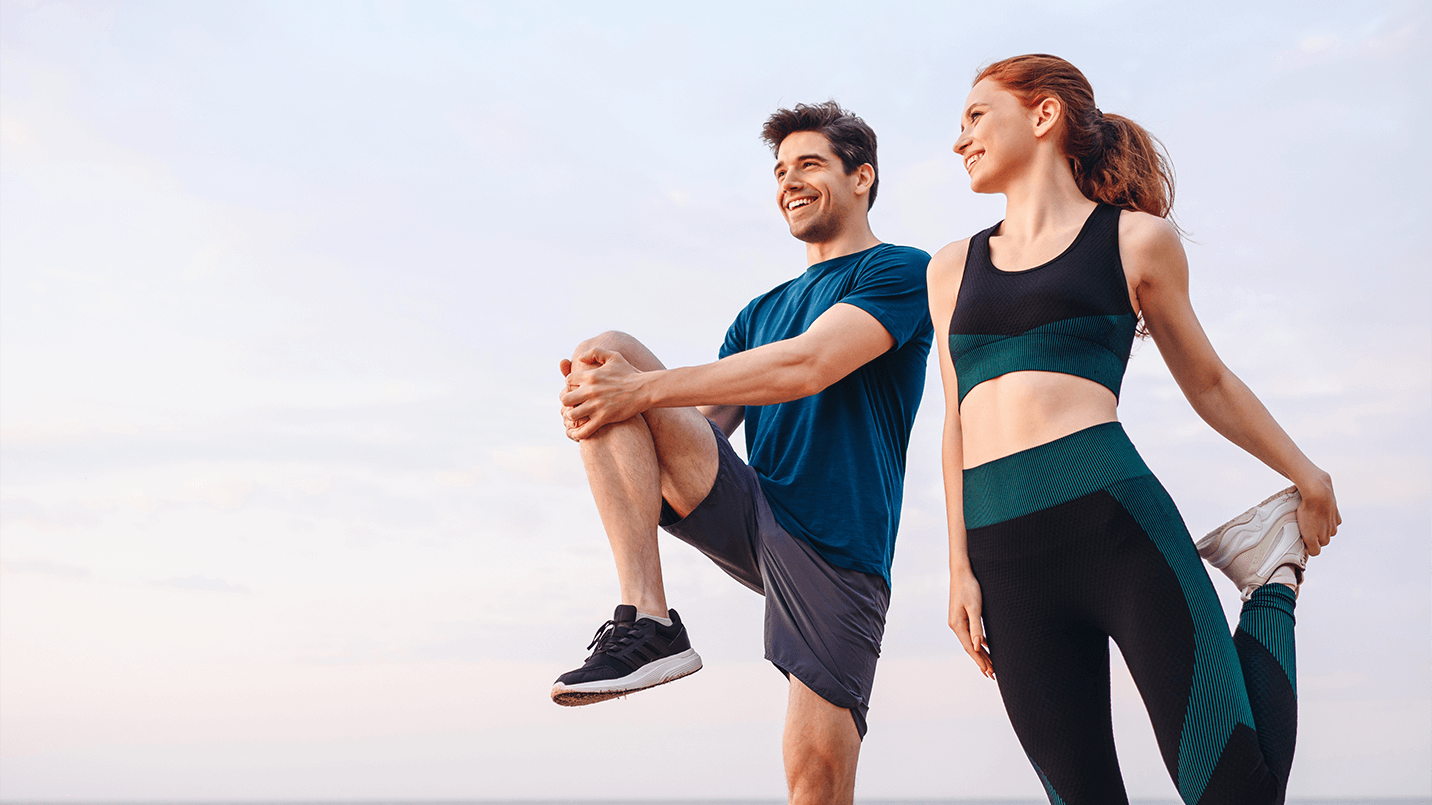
1074,542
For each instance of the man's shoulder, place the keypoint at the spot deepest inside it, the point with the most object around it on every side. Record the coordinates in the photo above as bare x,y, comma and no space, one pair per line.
896,258
773,294
896,251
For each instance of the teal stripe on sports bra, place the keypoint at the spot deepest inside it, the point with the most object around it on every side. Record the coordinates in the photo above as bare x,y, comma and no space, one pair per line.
1061,346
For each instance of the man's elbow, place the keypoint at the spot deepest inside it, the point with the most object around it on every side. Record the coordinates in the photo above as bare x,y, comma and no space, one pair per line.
812,376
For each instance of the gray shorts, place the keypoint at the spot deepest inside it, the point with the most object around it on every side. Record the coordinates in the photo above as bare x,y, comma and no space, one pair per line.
823,623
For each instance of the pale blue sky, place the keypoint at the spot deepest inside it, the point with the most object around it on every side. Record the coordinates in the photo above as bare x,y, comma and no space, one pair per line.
287,508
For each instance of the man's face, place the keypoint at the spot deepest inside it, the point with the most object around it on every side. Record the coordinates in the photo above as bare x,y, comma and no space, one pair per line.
817,197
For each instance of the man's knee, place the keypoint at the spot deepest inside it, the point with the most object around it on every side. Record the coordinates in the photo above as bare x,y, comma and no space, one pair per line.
631,349
820,764
821,771
611,339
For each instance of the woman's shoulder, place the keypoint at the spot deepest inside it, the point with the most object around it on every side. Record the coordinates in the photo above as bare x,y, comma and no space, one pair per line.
949,262
1140,232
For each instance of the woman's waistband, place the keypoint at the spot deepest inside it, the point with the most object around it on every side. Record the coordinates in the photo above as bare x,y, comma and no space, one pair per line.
1050,474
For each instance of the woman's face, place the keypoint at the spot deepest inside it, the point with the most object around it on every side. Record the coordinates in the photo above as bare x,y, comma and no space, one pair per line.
997,136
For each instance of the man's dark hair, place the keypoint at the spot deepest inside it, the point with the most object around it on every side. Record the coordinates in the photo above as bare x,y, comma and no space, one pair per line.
850,138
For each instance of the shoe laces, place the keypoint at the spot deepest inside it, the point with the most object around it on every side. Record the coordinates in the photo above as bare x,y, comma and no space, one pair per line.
612,637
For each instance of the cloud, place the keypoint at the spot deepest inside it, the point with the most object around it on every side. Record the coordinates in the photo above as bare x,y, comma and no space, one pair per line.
45,567
201,584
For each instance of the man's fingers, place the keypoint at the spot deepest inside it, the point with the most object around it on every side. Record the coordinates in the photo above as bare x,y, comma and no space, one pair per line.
565,366
596,356
573,397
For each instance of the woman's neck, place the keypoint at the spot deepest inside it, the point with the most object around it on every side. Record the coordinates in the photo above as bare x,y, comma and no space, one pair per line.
1043,198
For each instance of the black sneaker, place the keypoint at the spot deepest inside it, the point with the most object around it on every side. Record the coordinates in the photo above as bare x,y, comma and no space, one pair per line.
628,655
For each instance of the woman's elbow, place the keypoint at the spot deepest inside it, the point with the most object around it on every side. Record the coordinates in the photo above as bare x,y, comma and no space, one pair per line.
1211,387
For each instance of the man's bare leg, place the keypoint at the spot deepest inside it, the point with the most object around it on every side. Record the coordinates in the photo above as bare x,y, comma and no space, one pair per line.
631,466
625,477
820,747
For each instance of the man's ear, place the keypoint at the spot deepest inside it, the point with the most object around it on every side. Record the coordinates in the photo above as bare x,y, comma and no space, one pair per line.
1045,115
864,178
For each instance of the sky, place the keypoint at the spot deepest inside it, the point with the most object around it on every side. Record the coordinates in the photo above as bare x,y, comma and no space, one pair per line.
287,507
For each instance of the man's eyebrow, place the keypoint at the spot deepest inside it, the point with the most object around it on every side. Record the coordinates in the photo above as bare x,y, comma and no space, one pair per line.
803,158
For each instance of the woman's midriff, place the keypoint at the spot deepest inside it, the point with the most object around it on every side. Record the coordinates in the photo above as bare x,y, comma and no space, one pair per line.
1020,410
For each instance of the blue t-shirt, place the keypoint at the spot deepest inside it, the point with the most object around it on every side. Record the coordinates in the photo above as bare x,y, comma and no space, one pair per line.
833,464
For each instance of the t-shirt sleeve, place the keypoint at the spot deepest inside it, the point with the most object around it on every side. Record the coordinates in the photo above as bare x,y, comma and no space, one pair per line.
736,334
891,287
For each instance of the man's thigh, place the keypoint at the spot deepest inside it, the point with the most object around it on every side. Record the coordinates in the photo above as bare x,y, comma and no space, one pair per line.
686,455
685,448
725,522
821,748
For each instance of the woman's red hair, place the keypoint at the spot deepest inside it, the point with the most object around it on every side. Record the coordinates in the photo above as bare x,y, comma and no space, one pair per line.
1115,161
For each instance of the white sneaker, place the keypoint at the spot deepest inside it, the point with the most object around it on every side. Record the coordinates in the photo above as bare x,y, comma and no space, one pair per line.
1252,546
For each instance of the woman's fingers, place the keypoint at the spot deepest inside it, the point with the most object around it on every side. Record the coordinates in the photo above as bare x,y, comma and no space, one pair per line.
967,627
981,650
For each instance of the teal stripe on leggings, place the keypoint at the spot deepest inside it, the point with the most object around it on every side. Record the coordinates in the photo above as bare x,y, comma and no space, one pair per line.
1218,699
1054,798
1268,618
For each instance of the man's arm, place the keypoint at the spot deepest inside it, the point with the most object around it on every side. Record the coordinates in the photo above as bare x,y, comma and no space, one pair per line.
604,388
726,417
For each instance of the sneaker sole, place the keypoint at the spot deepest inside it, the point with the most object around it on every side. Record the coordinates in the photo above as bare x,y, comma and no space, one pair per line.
656,672
1248,529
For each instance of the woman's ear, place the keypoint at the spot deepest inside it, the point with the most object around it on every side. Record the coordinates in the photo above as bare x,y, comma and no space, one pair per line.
1045,115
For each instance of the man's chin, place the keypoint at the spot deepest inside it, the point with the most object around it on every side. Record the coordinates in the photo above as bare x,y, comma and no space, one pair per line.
813,232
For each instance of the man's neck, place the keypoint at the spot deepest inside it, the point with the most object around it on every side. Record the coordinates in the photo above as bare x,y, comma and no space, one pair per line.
855,238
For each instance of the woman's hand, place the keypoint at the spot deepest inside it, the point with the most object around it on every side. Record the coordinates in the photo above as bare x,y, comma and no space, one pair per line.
966,604
1318,517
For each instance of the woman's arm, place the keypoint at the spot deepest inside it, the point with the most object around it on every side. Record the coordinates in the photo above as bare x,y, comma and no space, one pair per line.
966,604
1155,262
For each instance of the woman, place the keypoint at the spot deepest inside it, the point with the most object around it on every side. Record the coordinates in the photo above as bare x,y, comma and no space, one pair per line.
1060,538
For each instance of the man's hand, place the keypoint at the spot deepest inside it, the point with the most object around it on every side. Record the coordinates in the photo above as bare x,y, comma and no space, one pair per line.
566,367
602,388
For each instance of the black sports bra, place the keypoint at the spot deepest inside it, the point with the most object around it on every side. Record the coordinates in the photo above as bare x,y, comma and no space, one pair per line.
1070,315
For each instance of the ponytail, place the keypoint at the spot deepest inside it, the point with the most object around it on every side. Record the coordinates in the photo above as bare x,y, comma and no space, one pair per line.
1115,160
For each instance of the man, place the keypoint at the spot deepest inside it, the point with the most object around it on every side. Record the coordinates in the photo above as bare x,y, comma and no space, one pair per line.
827,372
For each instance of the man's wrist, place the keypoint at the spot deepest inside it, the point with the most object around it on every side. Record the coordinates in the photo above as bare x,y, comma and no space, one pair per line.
648,386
